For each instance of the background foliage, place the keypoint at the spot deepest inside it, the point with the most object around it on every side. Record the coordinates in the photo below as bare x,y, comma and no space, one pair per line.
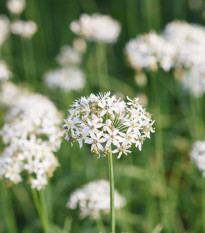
163,189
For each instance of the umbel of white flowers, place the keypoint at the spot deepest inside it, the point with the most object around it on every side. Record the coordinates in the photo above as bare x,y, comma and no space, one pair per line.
26,29
108,124
5,73
97,27
198,155
31,135
93,198
66,78
16,6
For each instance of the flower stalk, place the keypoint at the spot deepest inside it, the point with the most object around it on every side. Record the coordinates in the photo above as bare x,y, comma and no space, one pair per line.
112,188
39,202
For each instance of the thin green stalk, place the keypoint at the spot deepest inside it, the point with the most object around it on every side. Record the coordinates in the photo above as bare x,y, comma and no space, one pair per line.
25,60
101,65
159,153
112,205
196,118
100,225
40,204
8,214
203,204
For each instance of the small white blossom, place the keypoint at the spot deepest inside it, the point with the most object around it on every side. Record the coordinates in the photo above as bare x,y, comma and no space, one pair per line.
193,80
94,198
11,93
198,155
16,6
4,28
149,51
31,134
67,78
25,29
79,44
68,56
97,28
108,124
5,73
189,43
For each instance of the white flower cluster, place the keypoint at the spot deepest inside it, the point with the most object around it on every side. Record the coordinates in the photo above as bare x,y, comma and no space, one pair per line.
4,28
16,6
149,51
180,46
67,79
25,29
94,198
198,155
31,135
97,27
5,73
11,93
108,124
193,80
68,56
189,43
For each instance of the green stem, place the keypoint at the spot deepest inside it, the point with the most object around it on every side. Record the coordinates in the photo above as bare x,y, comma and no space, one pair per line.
203,205
8,214
101,65
100,225
112,206
159,151
39,201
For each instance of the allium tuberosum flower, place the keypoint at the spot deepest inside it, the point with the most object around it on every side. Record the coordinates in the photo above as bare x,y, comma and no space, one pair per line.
94,198
108,124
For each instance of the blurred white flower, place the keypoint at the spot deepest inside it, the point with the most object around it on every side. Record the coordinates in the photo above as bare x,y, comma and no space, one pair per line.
193,80
5,73
97,27
79,44
16,6
25,29
4,28
68,56
189,43
198,155
94,198
108,124
68,79
11,93
32,156
31,134
150,51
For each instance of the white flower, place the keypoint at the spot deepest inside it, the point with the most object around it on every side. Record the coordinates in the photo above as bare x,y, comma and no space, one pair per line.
67,78
25,29
30,156
31,135
189,43
11,93
94,198
16,6
198,155
79,44
5,73
149,51
68,56
4,28
193,80
97,28
108,124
